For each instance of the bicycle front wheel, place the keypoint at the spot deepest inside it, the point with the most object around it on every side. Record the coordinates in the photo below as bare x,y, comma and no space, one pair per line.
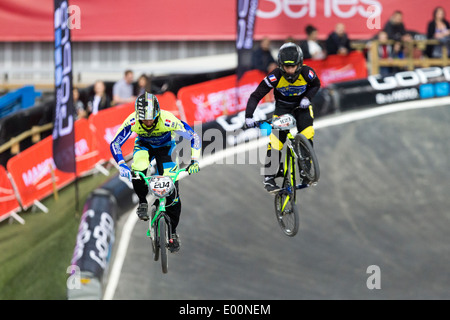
154,237
163,244
287,213
307,159
155,244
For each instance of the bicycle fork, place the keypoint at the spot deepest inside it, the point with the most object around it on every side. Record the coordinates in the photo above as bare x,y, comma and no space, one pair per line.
160,214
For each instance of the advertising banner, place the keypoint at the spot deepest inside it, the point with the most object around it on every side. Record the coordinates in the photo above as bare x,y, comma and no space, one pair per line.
63,129
34,171
199,20
337,68
105,125
8,200
245,27
86,153
421,83
96,235
225,96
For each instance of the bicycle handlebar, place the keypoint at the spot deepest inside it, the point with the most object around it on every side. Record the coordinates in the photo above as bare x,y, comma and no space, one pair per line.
147,179
283,122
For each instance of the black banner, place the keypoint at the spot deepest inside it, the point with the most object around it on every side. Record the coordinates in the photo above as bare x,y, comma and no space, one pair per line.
63,118
96,234
246,16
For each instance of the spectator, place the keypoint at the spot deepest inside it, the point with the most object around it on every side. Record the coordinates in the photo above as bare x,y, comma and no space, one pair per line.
438,28
395,28
143,85
311,47
338,42
262,58
99,100
78,105
123,89
385,51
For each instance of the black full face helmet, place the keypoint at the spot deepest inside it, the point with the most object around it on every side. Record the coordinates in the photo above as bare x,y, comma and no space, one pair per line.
147,107
290,54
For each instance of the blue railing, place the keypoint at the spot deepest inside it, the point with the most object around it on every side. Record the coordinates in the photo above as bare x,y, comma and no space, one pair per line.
20,99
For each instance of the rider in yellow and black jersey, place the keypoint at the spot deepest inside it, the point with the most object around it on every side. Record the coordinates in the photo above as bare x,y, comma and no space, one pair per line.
294,85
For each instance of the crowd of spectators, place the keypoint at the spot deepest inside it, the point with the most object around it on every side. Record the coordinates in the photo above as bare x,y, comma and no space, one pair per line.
124,90
392,40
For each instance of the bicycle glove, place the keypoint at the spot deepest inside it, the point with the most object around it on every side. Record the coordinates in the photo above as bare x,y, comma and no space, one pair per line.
249,122
193,167
125,172
304,104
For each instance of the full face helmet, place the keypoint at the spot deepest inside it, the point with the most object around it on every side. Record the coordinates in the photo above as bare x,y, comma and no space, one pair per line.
147,107
290,54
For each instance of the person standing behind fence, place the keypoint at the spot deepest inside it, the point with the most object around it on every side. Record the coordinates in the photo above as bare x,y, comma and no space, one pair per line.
99,100
262,58
438,28
311,47
123,89
338,41
80,111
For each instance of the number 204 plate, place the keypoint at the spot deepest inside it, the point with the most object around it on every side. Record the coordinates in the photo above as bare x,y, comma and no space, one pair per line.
161,186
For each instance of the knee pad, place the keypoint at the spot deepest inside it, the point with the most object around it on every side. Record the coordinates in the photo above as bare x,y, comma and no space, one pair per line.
140,160
275,143
308,133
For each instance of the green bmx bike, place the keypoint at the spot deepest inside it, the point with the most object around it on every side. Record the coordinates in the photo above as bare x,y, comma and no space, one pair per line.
160,228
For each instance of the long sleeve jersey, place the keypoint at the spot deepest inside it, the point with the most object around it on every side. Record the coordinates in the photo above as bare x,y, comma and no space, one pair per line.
306,85
161,134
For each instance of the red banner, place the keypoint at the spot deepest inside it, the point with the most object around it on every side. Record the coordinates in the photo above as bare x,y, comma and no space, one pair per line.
24,20
8,200
105,125
168,102
208,100
337,68
86,152
34,171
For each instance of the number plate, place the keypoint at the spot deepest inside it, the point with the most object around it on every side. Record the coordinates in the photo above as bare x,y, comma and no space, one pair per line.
284,122
161,186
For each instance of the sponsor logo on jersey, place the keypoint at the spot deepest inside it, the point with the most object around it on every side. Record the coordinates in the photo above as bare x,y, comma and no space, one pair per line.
292,90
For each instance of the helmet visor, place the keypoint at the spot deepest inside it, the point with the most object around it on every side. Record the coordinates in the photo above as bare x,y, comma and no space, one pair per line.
151,107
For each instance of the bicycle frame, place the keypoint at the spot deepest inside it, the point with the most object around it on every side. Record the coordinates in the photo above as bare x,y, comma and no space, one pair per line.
161,209
289,167
290,159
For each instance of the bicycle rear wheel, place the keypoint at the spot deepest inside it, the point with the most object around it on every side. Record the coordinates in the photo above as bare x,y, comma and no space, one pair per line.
163,244
307,159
